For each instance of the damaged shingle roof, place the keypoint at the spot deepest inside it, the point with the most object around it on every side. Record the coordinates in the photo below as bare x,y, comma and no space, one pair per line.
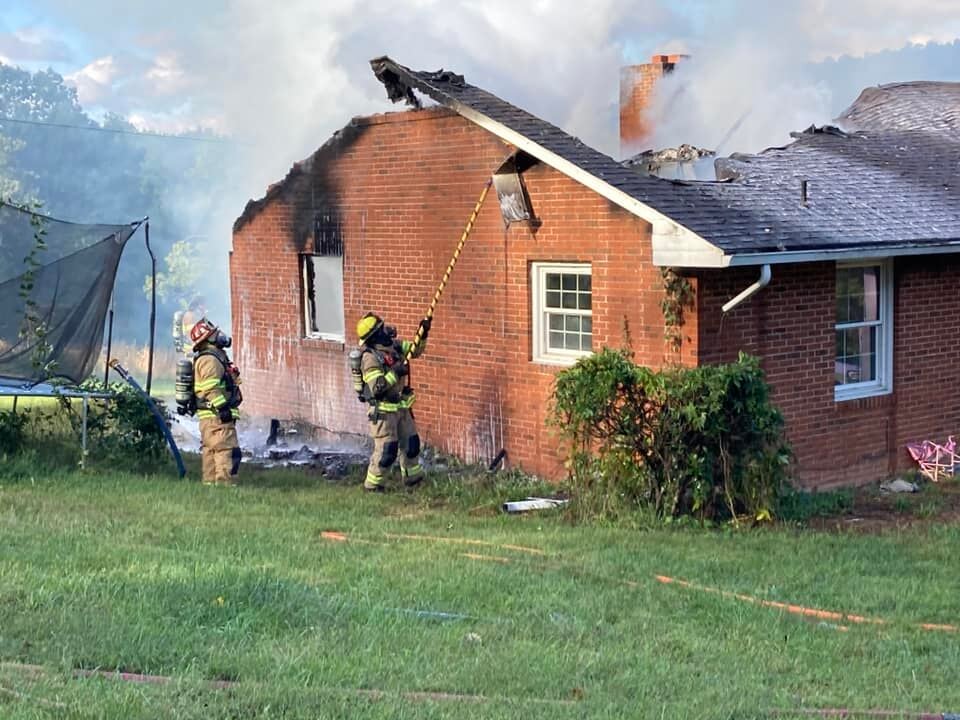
892,183
930,107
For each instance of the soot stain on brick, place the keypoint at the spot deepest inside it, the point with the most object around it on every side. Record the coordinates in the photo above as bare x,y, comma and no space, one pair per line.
313,175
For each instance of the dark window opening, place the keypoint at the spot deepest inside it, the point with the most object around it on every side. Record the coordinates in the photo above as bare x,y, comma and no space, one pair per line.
327,234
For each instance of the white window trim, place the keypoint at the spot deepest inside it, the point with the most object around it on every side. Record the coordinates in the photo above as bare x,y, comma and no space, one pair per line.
304,285
883,385
539,325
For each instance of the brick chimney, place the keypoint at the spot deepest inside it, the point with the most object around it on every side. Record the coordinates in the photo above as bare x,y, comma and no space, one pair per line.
636,92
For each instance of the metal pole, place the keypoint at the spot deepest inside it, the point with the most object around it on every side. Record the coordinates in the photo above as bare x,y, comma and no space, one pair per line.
106,364
153,304
83,441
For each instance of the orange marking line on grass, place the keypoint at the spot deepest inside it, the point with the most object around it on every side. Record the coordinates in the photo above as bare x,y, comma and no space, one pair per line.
465,541
415,696
488,558
336,536
798,609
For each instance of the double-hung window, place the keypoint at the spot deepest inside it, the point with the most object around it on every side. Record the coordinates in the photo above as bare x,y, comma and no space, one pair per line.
864,330
322,273
562,312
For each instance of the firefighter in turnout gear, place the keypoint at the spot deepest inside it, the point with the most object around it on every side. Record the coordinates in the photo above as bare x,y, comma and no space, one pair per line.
384,384
216,383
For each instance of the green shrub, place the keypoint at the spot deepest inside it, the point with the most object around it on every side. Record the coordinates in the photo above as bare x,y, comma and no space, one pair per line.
127,427
12,431
702,441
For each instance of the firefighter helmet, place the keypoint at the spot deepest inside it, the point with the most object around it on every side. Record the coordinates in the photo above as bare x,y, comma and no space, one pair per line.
202,330
368,325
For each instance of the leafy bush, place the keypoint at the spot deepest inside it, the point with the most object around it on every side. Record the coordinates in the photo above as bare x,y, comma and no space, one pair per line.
12,431
130,428
700,441
125,428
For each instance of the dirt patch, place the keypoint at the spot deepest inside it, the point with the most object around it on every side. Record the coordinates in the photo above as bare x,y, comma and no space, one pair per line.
874,511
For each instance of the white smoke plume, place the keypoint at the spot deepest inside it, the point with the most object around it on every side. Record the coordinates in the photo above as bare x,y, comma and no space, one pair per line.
281,77
766,69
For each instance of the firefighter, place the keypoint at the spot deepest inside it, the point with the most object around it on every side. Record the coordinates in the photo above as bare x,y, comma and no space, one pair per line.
183,322
385,385
216,383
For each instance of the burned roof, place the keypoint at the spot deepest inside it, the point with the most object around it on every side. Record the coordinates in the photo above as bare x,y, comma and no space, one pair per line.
889,186
928,107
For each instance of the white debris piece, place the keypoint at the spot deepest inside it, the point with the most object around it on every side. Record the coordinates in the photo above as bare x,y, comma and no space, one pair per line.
899,486
533,503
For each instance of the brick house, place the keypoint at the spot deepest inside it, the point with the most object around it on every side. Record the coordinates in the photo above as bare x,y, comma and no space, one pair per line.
834,259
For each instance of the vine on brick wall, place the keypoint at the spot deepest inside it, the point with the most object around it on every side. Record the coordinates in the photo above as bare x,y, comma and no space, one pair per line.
678,296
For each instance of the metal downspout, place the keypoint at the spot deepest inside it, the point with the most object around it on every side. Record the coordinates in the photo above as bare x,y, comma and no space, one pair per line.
762,282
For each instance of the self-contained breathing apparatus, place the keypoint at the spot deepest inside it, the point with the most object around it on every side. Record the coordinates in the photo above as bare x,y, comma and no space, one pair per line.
183,388
184,395
386,359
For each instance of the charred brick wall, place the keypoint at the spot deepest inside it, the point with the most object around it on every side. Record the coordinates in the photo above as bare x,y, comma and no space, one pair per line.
790,325
403,186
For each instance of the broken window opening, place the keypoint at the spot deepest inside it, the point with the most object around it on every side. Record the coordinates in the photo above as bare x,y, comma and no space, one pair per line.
327,234
322,280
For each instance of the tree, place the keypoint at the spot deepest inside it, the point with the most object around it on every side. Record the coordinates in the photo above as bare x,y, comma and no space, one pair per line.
181,280
88,171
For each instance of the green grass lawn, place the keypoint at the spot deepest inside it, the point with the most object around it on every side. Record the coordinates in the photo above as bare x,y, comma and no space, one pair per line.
399,616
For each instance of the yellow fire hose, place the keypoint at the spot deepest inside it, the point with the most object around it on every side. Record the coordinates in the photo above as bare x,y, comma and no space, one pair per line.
418,338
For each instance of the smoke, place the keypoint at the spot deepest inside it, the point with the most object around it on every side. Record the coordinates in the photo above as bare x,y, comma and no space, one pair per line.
280,79
771,68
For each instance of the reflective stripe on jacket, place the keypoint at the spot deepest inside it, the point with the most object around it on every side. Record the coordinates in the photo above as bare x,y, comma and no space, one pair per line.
211,385
383,384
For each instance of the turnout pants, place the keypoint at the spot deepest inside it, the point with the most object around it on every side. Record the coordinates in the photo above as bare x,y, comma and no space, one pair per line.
221,451
394,435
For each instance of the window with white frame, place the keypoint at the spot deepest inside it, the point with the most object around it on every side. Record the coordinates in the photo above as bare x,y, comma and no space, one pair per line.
864,330
322,274
562,312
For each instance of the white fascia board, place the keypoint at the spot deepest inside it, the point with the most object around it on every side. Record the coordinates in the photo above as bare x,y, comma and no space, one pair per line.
684,249
663,226
675,251
861,253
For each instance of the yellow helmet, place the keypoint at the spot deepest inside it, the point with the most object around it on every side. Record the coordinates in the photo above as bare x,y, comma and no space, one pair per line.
367,326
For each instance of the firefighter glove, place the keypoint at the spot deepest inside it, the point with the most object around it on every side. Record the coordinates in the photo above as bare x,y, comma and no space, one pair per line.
425,327
226,415
401,369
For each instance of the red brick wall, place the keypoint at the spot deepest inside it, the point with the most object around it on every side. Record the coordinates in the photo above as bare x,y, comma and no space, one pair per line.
790,325
404,185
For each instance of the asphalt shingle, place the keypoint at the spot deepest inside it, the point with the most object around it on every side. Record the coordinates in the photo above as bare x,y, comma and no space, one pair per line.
894,181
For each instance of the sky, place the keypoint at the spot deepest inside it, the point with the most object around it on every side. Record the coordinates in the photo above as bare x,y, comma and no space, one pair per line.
282,77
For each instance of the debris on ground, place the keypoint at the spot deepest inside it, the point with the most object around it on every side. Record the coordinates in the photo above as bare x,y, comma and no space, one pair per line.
335,464
899,486
533,503
283,445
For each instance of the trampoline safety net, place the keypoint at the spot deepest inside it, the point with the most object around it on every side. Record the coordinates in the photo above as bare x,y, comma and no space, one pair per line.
52,308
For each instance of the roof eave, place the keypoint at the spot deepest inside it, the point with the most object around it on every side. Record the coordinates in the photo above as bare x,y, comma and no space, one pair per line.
674,253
